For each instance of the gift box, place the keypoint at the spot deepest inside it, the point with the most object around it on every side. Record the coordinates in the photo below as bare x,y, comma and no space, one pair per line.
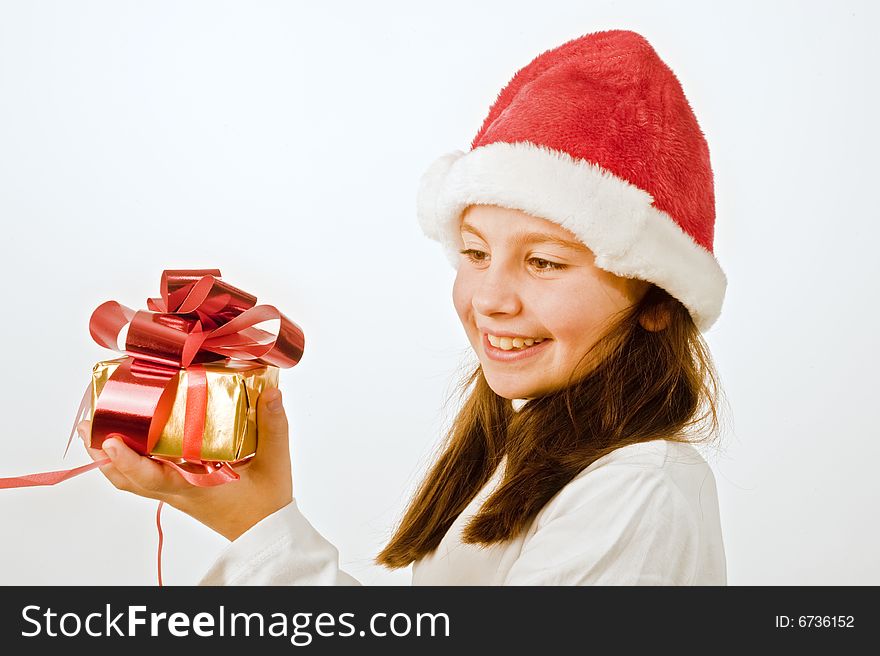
230,428
196,361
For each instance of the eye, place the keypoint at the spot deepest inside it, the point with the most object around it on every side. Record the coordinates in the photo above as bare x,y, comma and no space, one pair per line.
474,255
546,265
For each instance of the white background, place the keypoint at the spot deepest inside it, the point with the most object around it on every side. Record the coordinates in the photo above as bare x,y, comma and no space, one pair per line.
283,142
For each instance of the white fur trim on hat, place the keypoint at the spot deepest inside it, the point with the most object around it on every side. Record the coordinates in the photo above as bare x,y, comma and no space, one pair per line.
616,220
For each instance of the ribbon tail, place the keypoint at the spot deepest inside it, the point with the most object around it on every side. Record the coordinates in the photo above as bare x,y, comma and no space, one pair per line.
86,402
161,539
48,478
210,477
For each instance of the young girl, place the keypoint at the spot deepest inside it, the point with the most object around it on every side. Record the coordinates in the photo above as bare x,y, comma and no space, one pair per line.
581,225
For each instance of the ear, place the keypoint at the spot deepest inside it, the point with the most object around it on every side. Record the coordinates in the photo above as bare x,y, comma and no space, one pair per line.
655,319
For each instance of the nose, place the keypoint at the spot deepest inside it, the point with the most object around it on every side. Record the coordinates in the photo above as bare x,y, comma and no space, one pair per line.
496,293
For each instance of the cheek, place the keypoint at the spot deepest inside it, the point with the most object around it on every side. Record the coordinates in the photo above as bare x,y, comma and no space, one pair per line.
461,297
577,323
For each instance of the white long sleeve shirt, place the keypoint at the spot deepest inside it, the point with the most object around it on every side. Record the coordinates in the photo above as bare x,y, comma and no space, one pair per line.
644,514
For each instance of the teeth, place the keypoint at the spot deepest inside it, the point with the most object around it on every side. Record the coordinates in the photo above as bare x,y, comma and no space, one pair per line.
509,343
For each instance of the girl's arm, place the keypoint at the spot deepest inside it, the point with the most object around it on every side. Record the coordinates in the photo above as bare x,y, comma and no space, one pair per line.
282,549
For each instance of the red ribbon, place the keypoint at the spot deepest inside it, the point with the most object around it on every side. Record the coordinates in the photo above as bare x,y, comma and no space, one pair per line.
48,478
197,318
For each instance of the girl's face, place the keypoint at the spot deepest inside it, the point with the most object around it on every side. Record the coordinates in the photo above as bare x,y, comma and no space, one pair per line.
522,279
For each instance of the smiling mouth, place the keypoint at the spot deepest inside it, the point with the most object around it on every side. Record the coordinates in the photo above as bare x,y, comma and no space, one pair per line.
513,354
513,343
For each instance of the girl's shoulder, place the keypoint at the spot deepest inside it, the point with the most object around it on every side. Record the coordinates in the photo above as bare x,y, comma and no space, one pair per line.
661,474
661,454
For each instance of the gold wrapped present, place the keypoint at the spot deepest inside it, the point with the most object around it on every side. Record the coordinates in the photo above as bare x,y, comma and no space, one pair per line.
231,418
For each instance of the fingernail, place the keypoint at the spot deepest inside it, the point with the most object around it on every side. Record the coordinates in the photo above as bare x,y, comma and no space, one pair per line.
110,447
274,400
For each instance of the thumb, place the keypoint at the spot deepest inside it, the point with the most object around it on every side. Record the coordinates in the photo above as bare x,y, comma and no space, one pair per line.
272,427
146,474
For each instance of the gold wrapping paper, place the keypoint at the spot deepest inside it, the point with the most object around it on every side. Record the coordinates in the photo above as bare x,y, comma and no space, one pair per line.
231,419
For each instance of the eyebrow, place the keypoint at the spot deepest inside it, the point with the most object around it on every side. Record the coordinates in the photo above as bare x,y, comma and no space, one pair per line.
522,238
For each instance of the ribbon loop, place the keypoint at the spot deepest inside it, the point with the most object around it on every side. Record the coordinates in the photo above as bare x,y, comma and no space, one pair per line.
160,337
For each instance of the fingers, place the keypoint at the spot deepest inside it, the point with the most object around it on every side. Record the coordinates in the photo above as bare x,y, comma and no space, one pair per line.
145,473
84,428
129,471
118,480
272,427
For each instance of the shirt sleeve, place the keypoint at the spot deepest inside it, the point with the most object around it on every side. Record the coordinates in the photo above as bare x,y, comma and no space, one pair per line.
620,524
281,549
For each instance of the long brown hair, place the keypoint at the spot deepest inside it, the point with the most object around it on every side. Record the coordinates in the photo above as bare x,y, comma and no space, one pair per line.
647,384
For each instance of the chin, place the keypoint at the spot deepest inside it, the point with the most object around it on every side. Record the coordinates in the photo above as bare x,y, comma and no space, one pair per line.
517,389
508,390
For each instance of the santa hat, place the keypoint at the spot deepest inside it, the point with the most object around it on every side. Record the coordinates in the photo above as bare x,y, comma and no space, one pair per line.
597,136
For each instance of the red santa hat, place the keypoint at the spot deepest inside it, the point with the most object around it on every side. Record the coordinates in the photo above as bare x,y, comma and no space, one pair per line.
597,136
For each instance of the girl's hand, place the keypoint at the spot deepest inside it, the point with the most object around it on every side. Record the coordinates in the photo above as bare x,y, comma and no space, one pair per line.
266,484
